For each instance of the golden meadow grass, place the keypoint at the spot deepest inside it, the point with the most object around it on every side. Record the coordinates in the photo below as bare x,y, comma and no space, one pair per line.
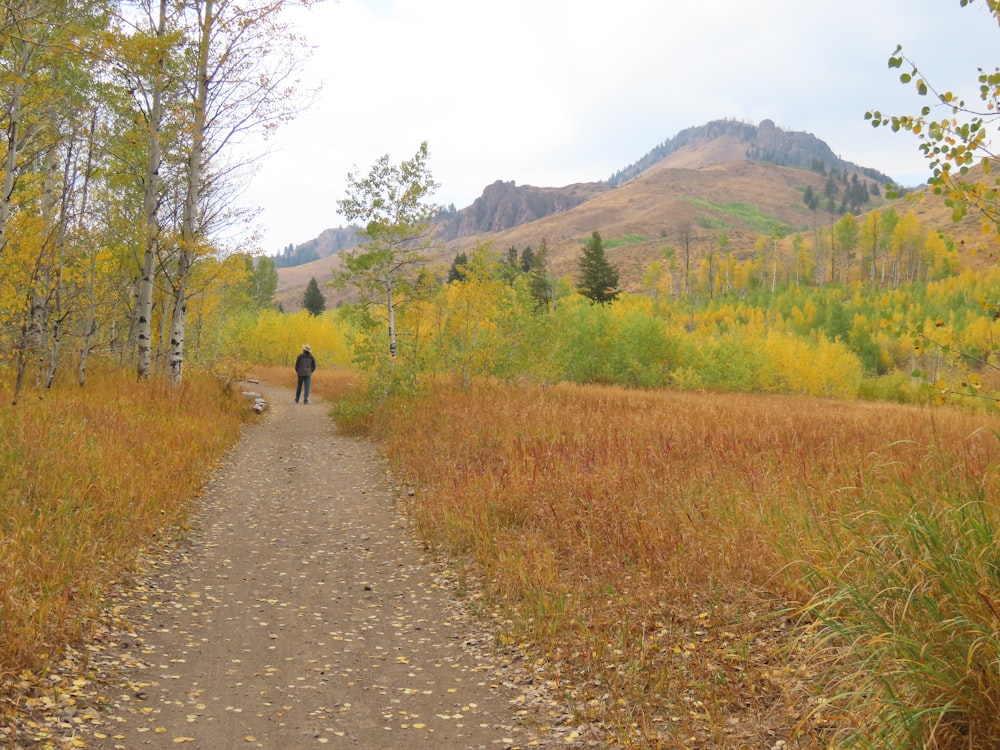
680,565
88,477
656,549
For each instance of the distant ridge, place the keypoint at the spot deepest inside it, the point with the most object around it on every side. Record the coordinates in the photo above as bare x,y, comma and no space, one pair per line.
329,242
765,143
504,205
725,176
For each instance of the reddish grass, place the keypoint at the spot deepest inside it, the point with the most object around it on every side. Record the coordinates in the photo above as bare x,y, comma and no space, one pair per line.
651,546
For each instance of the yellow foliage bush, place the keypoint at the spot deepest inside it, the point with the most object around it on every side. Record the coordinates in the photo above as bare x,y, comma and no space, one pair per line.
276,338
821,368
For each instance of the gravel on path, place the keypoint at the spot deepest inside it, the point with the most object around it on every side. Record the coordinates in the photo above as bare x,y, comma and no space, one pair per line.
301,612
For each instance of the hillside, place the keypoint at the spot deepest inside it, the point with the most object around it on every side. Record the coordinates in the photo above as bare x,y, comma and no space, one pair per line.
330,241
723,141
666,206
704,181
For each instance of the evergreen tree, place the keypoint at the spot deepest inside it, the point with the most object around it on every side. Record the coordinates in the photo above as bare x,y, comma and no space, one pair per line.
598,278
312,299
527,259
457,270
509,267
541,286
810,198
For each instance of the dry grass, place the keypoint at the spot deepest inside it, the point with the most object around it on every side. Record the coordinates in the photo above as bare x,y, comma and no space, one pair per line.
654,549
87,478
331,383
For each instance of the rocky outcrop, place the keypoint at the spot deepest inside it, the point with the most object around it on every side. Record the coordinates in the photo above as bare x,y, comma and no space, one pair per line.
504,205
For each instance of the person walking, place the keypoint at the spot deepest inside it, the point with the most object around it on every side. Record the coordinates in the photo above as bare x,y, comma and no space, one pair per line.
305,366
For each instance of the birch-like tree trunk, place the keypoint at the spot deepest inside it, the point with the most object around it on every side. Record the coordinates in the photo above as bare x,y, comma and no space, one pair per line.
13,144
151,206
240,81
193,188
35,327
90,326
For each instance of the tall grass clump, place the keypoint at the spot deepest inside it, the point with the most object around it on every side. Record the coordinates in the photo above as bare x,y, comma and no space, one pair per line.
655,549
88,477
909,605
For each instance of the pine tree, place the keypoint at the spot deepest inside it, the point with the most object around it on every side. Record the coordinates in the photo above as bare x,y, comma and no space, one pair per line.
540,285
527,259
457,270
313,300
598,278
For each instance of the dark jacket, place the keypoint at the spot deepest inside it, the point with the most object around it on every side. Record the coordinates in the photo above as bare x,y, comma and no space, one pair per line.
305,364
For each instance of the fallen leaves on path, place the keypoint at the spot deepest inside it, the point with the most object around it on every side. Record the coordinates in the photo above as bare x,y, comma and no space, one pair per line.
300,611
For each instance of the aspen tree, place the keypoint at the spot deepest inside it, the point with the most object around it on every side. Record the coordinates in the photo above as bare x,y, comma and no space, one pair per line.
150,82
46,86
391,202
205,75
954,135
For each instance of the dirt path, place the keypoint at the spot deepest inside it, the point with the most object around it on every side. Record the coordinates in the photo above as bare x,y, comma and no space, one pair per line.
302,613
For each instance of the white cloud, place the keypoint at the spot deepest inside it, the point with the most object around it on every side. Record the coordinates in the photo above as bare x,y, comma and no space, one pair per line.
549,92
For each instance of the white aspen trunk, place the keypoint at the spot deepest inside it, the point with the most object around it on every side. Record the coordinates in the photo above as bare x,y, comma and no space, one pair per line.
178,321
774,270
392,322
133,326
32,345
161,354
189,220
41,292
58,216
144,304
50,372
10,161
90,326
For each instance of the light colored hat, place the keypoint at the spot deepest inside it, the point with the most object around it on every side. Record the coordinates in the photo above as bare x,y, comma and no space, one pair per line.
306,347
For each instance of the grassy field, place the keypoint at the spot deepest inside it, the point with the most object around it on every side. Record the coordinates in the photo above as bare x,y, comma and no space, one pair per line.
725,570
691,570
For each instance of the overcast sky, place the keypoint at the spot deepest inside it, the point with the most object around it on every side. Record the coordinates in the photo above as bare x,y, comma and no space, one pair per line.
552,92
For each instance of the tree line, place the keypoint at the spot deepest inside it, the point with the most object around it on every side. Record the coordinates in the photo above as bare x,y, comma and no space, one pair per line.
124,132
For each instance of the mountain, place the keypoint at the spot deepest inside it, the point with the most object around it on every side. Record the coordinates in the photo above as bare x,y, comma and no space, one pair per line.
330,241
729,140
670,206
504,205
724,176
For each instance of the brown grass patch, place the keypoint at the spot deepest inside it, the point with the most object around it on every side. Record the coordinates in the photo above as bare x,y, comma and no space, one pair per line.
648,546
